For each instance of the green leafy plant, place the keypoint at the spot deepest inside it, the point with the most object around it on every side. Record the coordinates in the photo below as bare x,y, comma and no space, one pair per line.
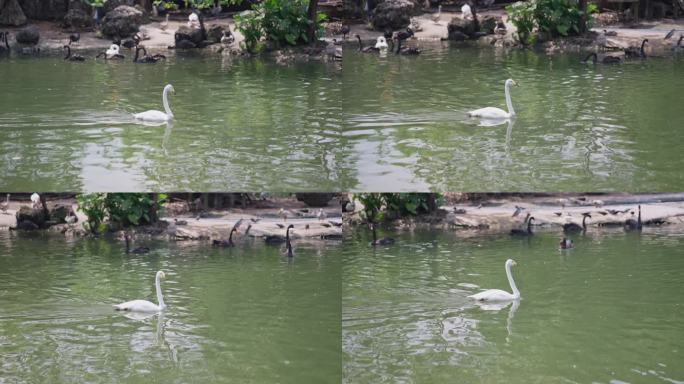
522,16
379,206
552,18
249,24
120,209
284,22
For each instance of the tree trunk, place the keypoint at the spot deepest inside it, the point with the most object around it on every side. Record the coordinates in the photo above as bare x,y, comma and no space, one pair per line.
583,17
313,12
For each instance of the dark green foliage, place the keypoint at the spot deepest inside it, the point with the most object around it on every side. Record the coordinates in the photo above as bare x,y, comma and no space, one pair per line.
284,22
552,18
121,209
378,206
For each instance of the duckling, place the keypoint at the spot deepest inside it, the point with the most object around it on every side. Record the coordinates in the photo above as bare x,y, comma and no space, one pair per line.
566,243
227,38
70,57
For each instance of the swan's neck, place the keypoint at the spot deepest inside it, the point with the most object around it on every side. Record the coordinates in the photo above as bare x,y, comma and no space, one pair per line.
360,43
639,219
68,52
642,47
584,223
160,297
128,245
516,293
230,237
137,53
375,235
509,104
165,101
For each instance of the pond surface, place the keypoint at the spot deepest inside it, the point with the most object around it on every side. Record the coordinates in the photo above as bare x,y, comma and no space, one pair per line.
579,127
608,311
242,315
368,123
239,125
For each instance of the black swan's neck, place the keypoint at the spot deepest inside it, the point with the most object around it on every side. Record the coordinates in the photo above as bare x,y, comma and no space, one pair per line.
230,237
639,218
398,46
375,235
584,223
8,47
593,56
68,54
529,225
641,50
137,53
679,42
288,244
360,43
128,244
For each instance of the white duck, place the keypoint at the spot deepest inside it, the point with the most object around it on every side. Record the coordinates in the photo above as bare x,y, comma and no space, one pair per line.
497,113
381,43
497,294
467,13
159,116
144,305
113,51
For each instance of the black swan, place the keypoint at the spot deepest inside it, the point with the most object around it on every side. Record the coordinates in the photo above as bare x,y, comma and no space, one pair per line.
288,245
572,227
226,243
524,232
145,58
367,49
74,38
407,50
606,59
3,38
638,53
376,241
138,250
70,57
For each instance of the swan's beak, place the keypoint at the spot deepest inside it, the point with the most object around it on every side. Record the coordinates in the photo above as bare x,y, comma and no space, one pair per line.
514,263
515,83
162,276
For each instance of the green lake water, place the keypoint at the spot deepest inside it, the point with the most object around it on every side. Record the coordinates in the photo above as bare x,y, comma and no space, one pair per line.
608,311
243,315
368,123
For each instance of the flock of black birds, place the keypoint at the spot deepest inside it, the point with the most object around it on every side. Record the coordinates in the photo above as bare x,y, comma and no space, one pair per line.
394,39
636,52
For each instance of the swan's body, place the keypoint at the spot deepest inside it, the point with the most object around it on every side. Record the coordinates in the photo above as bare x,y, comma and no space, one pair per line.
193,21
498,294
35,200
112,52
288,244
634,225
524,232
154,115
467,13
70,57
572,227
365,49
381,43
383,241
144,305
497,113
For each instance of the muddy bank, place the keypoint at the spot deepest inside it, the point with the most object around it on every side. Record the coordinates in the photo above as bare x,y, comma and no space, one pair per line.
266,221
551,212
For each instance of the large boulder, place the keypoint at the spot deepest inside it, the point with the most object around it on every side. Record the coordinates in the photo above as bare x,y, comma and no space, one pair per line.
78,16
461,29
111,5
193,35
393,14
123,21
28,36
44,9
215,33
31,218
11,13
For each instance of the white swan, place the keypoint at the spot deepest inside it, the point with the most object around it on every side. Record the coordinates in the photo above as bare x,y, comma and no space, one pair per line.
497,294
193,21
144,305
35,200
497,113
381,43
466,12
112,51
153,115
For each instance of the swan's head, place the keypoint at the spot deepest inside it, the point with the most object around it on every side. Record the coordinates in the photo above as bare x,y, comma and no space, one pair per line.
161,275
169,88
193,17
510,82
511,263
290,226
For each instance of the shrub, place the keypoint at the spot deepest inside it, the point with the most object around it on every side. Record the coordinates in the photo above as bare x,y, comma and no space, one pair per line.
121,209
553,18
379,206
284,22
